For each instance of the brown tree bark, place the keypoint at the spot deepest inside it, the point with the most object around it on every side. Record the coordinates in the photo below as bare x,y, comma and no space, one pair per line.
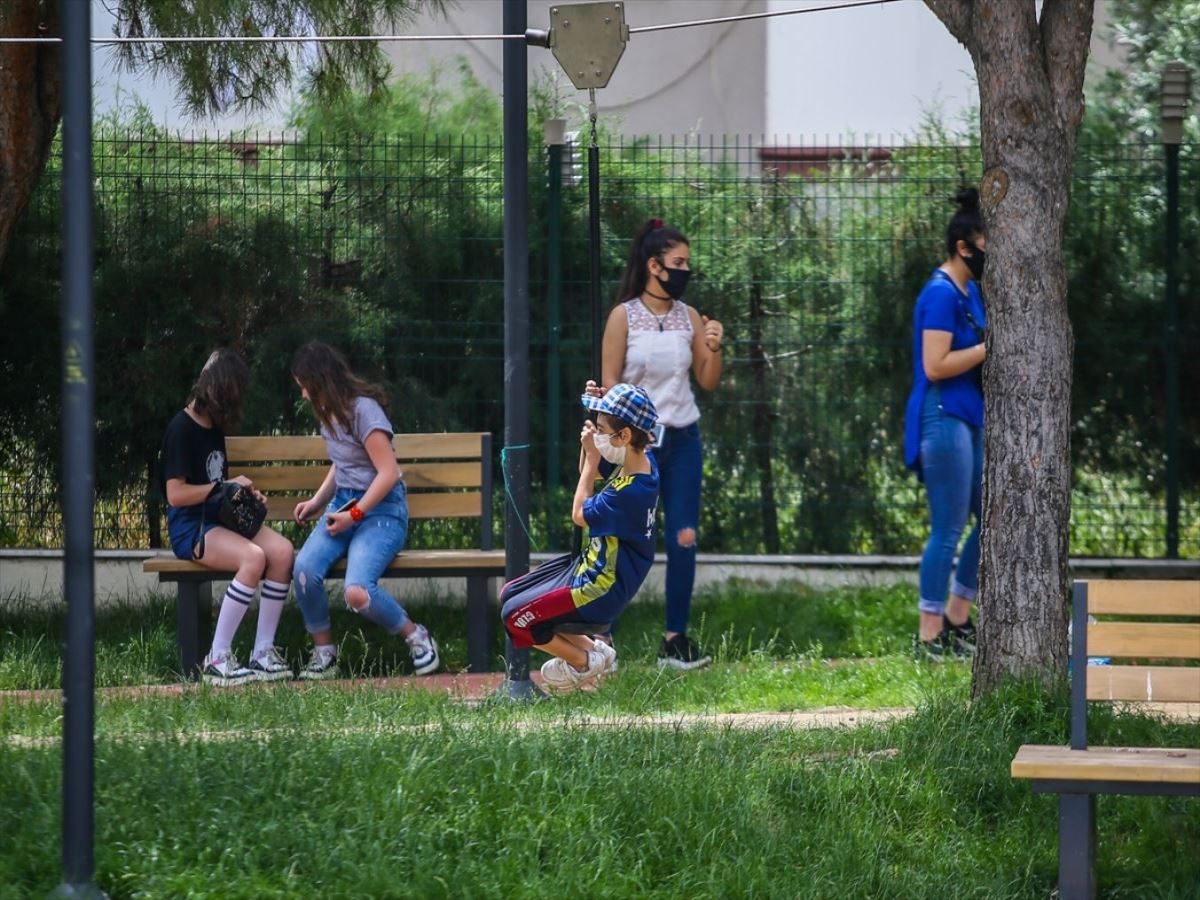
1030,76
30,76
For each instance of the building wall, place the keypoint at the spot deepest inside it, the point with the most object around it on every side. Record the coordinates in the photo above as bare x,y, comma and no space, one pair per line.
830,77
710,79
877,71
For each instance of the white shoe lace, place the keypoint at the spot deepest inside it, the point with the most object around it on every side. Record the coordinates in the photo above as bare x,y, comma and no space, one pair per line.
270,659
225,663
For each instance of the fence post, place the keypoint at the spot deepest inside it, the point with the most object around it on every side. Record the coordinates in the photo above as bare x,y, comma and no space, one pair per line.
1171,353
554,134
1175,92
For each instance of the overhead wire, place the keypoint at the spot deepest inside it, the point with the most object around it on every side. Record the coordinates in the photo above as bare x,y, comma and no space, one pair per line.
400,38
744,17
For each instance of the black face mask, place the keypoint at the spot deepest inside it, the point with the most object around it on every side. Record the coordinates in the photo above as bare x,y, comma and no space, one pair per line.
975,262
676,283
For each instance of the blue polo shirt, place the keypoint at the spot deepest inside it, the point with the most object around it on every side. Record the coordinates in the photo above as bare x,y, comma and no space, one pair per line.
941,306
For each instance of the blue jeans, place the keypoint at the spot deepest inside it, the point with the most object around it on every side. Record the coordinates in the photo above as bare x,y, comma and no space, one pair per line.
368,546
952,465
680,461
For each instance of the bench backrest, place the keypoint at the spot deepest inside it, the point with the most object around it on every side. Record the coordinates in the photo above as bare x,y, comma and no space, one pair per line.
447,475
1126,635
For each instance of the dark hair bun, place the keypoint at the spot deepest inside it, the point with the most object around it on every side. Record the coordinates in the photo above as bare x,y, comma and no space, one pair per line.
967,199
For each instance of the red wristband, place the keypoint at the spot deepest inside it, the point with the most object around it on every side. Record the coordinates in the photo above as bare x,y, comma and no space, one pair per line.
357,514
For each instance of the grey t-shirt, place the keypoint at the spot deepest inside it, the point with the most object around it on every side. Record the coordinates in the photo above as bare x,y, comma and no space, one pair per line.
346,451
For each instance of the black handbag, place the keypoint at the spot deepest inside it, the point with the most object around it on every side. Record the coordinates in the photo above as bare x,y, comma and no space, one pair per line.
239,511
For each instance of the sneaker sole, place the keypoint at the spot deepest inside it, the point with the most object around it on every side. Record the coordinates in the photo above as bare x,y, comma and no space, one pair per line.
319,676
221,682
666,662
283,675
429,668
433,665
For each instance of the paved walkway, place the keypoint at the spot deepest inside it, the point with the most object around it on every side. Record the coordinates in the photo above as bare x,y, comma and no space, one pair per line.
831,717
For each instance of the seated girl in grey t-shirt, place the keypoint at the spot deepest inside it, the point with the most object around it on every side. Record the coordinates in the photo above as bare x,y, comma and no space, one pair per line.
365,509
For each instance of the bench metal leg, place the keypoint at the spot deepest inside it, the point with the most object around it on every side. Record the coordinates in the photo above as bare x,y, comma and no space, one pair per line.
1077,846
479,624
193,616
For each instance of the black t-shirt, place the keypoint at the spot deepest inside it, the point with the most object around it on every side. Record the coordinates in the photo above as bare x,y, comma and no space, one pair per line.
192,452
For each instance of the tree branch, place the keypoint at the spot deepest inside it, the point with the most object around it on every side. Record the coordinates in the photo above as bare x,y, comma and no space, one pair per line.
956,16
1066,29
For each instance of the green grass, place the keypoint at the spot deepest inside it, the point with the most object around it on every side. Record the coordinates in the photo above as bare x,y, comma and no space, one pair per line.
499,810
362,792
135,644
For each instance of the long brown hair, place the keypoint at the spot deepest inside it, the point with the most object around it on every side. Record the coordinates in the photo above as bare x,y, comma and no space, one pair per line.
652,241
220,387
332,387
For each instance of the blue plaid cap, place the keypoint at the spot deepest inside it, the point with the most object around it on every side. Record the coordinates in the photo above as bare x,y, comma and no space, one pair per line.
628,402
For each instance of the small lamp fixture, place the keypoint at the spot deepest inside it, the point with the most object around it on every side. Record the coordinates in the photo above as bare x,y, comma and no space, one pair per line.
1176,90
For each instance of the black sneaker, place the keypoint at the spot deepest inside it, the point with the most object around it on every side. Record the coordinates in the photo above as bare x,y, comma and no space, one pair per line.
681,652
964,636
938,650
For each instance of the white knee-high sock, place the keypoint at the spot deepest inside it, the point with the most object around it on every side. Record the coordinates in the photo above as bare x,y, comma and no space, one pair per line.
233,608
270,607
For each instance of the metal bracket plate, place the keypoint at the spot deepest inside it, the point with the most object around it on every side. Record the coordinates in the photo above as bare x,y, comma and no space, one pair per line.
588,40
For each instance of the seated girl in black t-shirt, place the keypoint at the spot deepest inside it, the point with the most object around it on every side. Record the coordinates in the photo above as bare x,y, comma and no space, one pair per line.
194,462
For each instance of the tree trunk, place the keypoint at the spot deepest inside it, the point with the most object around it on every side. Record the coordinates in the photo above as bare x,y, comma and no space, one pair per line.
1030,77
30,75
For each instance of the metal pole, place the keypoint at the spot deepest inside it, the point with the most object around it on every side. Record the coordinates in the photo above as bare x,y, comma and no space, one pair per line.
1172,351
517,686
78,426
594,240
554,152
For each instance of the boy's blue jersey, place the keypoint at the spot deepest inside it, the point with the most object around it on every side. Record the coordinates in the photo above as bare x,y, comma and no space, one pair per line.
621,523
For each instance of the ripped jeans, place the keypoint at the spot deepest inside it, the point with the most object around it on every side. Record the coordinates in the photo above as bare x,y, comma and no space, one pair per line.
368,547
680,464
952,465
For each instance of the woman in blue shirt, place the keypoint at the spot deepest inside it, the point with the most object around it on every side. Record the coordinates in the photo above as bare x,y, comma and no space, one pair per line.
943,440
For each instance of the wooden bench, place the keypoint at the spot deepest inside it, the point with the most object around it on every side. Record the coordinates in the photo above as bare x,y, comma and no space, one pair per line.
1079,772
447,475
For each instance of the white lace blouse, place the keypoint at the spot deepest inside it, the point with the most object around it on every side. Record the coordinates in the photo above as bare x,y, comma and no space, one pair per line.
658,356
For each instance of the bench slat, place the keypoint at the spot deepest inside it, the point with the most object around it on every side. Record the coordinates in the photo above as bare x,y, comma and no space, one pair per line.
1144,598
1143,640
1142,764
309,478
1163,684
408,560
466,504
272,448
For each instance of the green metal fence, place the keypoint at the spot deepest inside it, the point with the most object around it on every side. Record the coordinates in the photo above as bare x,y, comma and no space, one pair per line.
391,248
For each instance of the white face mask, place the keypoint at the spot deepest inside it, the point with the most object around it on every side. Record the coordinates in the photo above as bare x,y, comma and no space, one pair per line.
615,455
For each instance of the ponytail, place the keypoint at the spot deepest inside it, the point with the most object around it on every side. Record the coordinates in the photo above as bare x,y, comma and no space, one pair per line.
967,222
652,241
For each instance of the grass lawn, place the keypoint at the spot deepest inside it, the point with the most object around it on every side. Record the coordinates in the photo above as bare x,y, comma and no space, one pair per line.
739,623
278,792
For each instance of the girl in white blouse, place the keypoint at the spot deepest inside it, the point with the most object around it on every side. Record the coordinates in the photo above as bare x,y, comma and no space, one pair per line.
654,339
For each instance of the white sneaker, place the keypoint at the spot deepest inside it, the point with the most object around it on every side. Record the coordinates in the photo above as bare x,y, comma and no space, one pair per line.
423,650
609,655
607,640
321,665
562,677
223,670
268,665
